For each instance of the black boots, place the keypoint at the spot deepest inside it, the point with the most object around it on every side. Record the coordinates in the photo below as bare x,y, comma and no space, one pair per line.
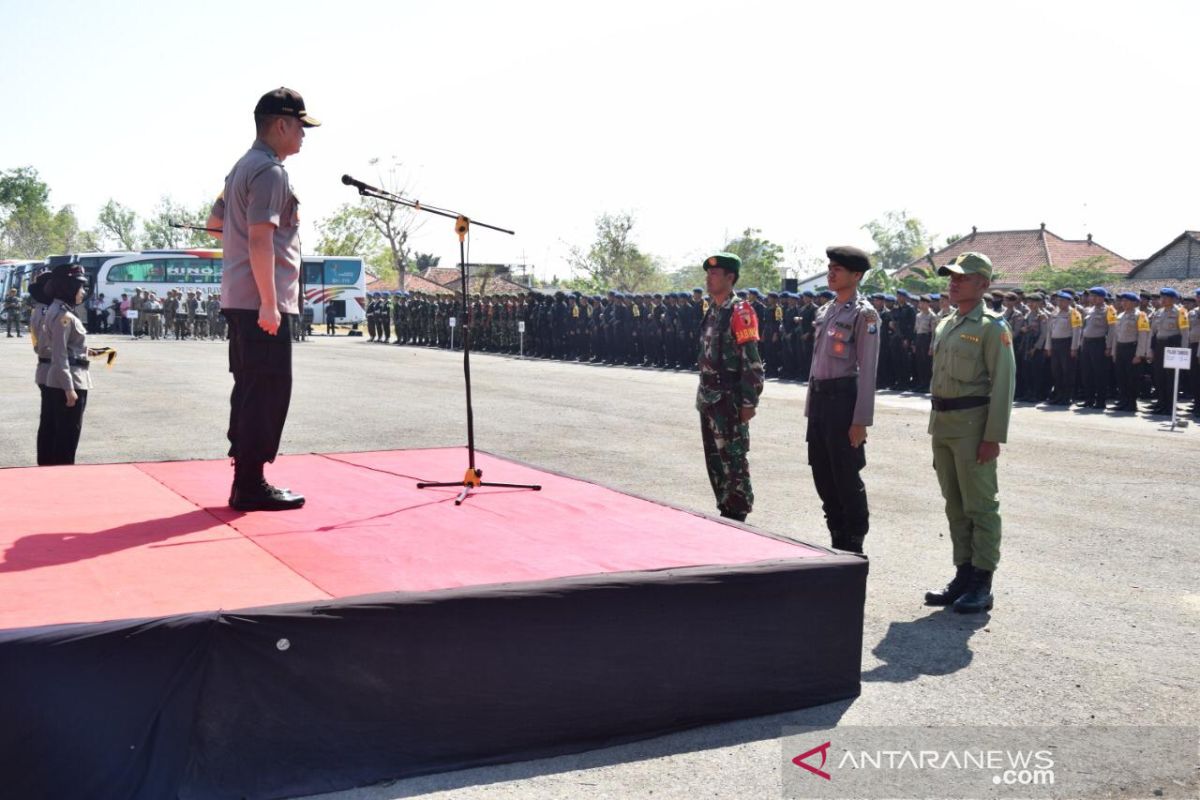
251,492
848,542
953,590
737,516
978,597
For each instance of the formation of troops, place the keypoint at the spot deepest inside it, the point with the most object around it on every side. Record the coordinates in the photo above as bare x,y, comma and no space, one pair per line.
1090,347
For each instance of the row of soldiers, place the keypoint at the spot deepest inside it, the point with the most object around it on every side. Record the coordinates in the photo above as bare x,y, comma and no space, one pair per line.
177,314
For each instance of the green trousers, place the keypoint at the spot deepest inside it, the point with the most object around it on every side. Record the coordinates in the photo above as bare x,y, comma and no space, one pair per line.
972,501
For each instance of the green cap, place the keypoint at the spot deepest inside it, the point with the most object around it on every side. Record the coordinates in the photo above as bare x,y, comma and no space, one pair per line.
726,261
968,264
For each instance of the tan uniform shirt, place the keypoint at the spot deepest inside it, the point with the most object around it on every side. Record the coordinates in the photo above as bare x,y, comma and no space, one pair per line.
1065,324
68,349
1133,326
846,344
1173,321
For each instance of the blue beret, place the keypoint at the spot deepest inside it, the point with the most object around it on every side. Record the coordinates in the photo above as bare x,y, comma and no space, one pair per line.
811,293
754,291
891,298
697,289
828,294
1065,295
1167,291
773,294
741,292
1197,292
1099,291
903,293
1129,296
935,297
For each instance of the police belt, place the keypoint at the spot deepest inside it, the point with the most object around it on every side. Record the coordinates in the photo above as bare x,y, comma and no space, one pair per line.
80,362
43,361
958,403
844,385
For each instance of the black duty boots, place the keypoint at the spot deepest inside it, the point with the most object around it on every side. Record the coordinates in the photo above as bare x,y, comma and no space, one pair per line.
251,492
953,590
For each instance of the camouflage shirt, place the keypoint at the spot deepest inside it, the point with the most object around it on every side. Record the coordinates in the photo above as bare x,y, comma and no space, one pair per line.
729,366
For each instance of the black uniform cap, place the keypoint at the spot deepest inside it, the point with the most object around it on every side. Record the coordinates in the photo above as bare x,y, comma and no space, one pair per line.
849,257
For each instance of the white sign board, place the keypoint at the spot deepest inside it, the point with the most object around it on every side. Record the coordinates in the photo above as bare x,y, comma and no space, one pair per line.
131,314
453,321
520,326
1177,358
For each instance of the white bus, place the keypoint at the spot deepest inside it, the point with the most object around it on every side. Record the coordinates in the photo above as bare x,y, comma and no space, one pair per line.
336,280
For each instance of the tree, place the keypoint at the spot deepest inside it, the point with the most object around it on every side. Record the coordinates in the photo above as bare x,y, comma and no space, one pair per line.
350,232
613,261
426,260
762,260
158,233
899,240
925,280
22,188
395,223
1080,274
118,223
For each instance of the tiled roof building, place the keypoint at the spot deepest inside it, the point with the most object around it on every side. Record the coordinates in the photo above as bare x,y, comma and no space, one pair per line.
1016,254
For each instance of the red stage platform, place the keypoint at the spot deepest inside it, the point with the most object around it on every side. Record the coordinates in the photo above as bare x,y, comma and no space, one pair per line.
576,572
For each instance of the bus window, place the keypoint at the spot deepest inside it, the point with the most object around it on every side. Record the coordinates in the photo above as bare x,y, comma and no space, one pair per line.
138,272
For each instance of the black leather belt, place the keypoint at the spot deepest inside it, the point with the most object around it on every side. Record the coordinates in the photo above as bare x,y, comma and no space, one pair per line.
43,361
80,362
833,385
958,403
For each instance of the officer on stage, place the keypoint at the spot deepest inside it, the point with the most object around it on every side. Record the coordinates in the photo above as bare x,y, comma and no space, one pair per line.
974,374
840,405
731,379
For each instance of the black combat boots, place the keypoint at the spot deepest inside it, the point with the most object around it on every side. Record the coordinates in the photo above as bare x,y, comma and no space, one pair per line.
953,590
848,542
251,492
978,597
737,516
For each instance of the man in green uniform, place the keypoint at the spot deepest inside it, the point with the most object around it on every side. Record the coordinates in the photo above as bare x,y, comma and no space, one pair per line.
731,379
974,374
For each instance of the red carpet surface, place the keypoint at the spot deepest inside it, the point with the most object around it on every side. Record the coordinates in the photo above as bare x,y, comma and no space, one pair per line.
91,543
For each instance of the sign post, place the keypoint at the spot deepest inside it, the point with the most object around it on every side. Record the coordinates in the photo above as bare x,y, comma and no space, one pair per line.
521,332
453,322
1176,358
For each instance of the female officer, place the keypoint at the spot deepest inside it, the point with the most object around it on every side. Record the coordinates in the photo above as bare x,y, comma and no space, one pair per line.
68,379
41,346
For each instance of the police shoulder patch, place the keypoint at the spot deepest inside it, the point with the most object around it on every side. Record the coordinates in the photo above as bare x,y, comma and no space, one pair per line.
744,323
871,315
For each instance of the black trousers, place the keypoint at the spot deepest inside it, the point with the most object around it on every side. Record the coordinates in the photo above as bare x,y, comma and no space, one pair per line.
1095,370
262,386
922,361
58,432
1126,385
1164,379
1062,370
835,464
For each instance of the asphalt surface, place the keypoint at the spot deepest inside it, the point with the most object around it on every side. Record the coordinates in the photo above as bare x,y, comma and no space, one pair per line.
1097,595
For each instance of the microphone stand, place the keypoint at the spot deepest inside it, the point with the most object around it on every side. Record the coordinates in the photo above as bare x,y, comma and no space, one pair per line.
473,478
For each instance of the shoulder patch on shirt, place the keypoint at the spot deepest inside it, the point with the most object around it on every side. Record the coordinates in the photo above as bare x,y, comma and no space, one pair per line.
1005,338
1076,318
870,315
1182,319
1143,322
744,323
1111,315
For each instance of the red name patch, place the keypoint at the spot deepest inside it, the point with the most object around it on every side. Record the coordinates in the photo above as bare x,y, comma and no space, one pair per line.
745,323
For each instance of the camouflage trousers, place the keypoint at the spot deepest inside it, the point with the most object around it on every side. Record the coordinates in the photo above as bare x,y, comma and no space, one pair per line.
726,445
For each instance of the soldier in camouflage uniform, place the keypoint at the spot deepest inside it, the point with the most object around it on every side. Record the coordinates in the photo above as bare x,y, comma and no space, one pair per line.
731,379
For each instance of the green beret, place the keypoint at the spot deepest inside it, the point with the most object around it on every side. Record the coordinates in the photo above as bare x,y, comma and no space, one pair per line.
726,261
849,257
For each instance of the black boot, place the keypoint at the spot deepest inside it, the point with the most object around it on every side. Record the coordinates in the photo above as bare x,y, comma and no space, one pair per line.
738,516
251,492
955,589
848,542
978,597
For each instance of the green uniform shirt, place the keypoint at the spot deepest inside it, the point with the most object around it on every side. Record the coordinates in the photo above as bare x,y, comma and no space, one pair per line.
973,357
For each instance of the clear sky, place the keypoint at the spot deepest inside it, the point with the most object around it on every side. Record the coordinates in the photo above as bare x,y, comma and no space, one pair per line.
803,119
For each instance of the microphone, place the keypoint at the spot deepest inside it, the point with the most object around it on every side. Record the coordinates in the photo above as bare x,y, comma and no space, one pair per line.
346,179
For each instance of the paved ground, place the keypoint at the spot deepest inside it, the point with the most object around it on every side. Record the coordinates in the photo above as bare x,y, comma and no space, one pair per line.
1098,596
